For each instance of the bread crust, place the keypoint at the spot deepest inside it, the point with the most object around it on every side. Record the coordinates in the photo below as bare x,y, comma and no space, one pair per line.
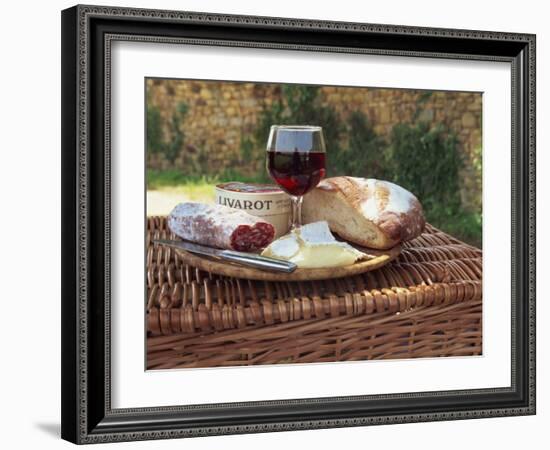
372,213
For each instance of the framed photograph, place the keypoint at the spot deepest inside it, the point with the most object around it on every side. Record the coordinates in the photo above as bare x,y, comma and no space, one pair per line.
281,224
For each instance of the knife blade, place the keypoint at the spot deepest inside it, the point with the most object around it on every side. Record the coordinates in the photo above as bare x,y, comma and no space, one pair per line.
247,259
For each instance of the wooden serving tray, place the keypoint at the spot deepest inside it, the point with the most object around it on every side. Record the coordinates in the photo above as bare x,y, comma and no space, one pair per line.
229,269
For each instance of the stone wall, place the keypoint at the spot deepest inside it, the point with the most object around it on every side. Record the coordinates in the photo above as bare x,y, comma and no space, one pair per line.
220,114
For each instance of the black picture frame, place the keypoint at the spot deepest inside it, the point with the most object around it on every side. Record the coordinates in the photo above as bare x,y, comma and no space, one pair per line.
87,416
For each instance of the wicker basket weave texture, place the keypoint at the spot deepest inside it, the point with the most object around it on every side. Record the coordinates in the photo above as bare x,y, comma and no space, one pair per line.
427,303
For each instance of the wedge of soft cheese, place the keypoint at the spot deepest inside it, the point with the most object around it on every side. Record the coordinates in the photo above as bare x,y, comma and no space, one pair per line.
312,247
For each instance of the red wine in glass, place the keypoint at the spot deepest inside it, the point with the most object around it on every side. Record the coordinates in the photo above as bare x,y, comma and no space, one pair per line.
296,172
296,162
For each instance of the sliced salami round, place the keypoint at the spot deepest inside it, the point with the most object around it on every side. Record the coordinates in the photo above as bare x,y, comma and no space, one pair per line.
220,226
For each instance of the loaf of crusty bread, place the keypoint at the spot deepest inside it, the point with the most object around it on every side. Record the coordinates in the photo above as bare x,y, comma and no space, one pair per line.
372,213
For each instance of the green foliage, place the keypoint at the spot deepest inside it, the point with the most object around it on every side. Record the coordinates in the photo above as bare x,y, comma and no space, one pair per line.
159,179
299,105
424,97
426,161
352,148
172,145
154,130
253,162
477,161
461,224
365,154
420,103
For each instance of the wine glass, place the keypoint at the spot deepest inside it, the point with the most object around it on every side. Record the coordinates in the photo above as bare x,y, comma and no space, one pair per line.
296,162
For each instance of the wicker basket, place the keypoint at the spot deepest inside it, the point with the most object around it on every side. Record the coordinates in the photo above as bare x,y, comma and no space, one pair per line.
426,303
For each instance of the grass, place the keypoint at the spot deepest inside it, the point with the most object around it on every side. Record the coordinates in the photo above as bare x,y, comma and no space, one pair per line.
193,192
160,180
171,187
464,225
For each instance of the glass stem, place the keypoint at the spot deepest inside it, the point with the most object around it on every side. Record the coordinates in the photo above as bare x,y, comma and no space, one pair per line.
296,211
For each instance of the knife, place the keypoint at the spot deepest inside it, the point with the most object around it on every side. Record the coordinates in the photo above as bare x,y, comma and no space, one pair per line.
247,259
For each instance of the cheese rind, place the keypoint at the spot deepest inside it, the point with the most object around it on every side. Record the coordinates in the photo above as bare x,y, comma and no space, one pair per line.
312,247
286,247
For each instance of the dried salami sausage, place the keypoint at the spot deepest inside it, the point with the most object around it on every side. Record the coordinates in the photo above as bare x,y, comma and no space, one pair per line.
220,226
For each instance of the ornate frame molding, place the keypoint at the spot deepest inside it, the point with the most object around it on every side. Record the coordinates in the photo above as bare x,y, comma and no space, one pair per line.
79,428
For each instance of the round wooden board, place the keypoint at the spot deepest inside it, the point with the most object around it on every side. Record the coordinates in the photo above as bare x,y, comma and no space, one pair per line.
229,269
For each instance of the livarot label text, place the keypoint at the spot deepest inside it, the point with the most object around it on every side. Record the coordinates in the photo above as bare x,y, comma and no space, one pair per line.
245,204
